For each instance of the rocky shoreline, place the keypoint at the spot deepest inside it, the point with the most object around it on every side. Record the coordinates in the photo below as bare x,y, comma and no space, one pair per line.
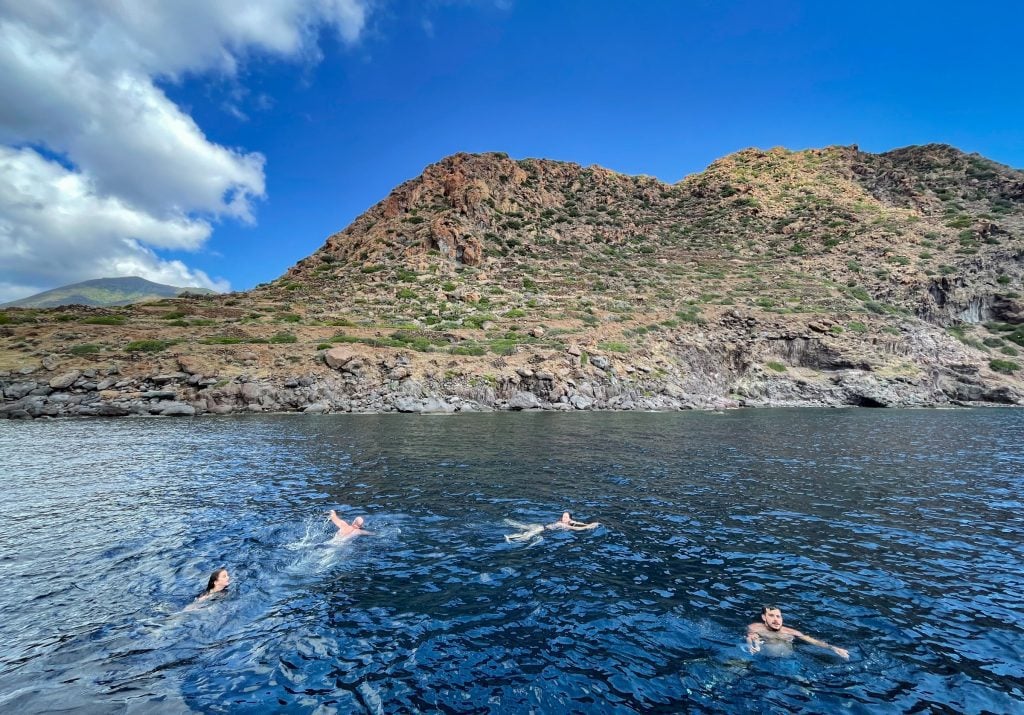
350,380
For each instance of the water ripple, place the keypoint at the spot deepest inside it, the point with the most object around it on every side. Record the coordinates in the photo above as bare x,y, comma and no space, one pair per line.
898,535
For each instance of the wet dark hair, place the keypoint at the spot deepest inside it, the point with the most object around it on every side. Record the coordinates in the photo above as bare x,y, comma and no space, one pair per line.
765,609
212,582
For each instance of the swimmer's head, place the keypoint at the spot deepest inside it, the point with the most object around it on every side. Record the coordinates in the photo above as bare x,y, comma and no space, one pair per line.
219,580
565,517
772,617
358,522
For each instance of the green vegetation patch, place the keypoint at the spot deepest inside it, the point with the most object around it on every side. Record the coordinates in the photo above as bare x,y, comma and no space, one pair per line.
282,338
84,349
776,366
690,314
959,333
147,346
477,321
1006,367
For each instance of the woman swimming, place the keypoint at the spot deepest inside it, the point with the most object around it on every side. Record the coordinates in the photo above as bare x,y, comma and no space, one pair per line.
528,531
218,582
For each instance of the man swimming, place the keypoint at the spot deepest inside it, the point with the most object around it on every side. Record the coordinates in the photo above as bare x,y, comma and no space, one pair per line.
529,531
346,530
777,638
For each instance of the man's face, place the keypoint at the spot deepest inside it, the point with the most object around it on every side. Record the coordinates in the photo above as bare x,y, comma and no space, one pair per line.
772,618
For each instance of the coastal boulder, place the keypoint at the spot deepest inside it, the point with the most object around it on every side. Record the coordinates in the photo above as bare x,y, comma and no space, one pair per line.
523,401
18,390
581,402
65,380
339,356
177,409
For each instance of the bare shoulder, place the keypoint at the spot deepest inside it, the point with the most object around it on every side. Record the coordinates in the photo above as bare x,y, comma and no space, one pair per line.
792,632
756,628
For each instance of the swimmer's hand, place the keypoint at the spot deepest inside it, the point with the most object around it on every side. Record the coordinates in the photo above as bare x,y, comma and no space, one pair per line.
841,652
754,644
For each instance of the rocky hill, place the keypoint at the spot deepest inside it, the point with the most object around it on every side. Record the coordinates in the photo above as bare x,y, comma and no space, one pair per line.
104,292
819,277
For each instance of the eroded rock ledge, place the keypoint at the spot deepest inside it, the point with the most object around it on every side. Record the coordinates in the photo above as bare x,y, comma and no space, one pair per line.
740,362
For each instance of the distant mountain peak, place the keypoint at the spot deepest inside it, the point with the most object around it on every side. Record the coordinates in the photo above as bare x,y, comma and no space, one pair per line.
101,292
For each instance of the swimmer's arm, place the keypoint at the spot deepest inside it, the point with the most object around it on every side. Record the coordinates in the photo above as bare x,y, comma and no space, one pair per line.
580,526
199,599
841,652
333,516
753,638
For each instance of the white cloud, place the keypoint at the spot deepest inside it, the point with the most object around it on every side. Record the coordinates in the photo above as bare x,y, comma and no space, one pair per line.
55,228
79,80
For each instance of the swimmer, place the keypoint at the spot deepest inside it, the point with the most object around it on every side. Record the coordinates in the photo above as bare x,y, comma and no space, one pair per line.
566,522
771,633
529,531
346,530
218,583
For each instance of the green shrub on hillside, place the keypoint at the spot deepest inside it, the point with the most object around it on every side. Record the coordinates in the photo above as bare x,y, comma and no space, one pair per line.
146,346
1006,367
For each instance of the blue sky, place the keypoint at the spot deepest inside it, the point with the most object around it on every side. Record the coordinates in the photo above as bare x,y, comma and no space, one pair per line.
305,118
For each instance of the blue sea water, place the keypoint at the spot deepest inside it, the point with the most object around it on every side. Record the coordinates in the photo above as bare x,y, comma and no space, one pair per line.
898,535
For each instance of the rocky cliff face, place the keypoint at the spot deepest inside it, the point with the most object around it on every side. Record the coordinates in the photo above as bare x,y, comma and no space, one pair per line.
821,277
